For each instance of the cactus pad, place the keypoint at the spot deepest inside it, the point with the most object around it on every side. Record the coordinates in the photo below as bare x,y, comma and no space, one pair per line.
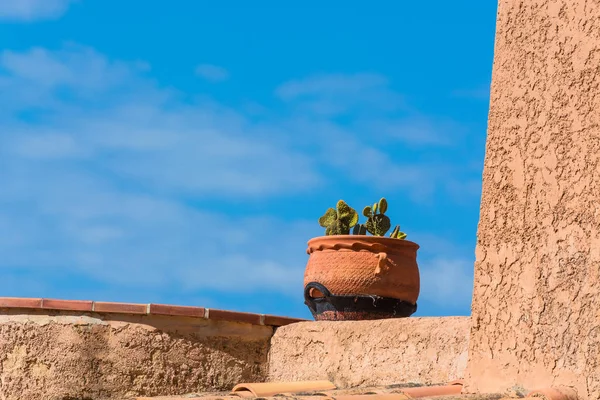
339,221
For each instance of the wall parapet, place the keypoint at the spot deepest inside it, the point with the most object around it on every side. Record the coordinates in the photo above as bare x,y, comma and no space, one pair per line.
103,307
60,349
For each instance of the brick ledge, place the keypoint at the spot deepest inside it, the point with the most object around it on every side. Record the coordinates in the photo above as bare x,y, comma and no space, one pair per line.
103,307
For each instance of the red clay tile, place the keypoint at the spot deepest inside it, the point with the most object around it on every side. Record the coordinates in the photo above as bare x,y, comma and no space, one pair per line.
274,320
265,389
73,305
19,302
234,316
181,311
120,308
431,391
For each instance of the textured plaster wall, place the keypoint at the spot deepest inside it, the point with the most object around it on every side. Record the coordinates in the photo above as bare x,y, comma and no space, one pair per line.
68,356
536,303
370,353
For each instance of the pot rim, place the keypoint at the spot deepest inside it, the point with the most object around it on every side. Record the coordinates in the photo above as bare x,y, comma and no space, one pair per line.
382,240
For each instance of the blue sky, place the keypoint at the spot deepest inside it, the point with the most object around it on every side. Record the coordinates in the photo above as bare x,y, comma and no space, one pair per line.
182,152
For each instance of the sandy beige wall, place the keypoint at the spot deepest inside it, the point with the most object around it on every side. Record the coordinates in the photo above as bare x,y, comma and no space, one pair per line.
369,353
536,304
74,355
68,356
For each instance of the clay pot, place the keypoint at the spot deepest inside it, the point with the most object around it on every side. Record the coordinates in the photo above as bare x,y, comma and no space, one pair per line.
362,266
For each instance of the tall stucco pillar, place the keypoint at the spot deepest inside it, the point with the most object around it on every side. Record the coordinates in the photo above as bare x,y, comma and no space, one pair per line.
536,300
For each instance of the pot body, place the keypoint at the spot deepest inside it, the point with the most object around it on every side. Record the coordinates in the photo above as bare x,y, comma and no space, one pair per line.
364,265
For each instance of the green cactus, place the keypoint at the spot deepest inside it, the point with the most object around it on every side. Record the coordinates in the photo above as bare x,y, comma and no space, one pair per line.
359,229
396,234
383,205
339,221
378,223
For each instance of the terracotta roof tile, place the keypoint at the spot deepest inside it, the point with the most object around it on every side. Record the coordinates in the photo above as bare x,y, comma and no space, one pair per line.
325,390
144,309
222,315
279,321
124,308
296,391
272,388
18,302
429,391
71,305
181,311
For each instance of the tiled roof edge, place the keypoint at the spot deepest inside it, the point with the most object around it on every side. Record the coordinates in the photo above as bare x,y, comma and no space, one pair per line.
103,307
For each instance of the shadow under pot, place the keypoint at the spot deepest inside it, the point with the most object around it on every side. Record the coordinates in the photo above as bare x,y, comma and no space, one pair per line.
356,277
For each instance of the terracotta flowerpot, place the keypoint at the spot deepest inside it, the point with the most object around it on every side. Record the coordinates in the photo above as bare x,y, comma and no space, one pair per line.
351,277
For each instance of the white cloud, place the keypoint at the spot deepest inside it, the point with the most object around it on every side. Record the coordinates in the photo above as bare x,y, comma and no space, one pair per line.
77,223
118,120
115,119
375,143
419,130
331,85
32,10
100,167
212,73
92,184
348,150
75,67
47,146
336,94
93,178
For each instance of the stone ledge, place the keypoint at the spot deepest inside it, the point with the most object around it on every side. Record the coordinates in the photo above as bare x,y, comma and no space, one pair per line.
350,354
103,307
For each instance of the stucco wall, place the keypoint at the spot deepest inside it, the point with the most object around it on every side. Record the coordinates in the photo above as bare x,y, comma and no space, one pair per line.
371,353
64,349
536,303
67,355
